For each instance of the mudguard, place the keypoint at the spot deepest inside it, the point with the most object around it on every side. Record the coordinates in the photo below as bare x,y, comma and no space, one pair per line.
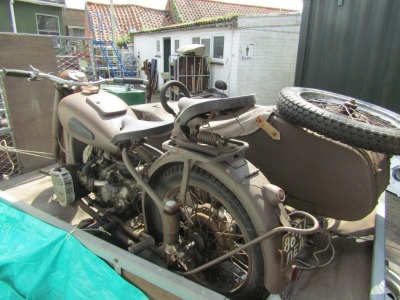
245,181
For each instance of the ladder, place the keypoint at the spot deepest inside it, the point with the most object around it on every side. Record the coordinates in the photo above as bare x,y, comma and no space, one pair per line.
111,62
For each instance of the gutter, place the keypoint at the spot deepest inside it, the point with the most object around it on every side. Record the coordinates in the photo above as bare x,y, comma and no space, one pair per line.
38,2
220,22
14,25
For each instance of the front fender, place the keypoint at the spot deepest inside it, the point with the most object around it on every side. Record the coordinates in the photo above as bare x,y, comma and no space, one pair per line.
245,181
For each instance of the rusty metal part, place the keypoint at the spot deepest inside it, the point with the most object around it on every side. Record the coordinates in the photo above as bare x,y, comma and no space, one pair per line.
260,238
171,223
268,128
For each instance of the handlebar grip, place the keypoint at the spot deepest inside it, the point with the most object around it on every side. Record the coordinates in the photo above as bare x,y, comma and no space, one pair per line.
128,81
17,73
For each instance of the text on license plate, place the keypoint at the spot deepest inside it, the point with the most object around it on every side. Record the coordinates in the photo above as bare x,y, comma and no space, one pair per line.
292,243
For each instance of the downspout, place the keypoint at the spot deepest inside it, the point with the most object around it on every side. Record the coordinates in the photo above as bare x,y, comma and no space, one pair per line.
14,25
113,37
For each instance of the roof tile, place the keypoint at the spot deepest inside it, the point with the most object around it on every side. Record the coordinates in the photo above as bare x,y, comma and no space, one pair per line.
193,10
127,17
130,16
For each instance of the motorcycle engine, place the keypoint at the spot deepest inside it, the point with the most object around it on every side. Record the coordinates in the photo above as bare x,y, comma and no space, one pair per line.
100,174
66,185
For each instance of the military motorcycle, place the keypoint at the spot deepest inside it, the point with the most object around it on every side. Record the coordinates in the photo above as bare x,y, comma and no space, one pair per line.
179,180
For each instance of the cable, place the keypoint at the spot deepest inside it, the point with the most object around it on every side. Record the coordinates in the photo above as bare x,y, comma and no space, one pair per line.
4,147
307,266
6,176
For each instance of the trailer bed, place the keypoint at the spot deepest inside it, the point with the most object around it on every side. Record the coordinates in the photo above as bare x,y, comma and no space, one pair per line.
348,276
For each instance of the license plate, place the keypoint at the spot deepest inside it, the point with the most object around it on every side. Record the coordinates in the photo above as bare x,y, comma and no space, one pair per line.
292,243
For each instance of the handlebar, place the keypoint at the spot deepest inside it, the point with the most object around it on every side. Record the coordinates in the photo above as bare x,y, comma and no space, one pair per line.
17,73
37,75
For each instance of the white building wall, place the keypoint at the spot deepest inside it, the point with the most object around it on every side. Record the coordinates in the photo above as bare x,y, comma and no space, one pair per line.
145,45
272,65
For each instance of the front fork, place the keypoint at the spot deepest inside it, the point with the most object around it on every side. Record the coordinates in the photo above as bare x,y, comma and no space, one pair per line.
171,227
56,125
172,216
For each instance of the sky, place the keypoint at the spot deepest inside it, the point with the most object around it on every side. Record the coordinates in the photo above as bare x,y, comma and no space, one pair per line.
160,4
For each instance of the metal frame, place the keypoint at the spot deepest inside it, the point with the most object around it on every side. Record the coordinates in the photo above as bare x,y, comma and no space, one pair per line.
193,78
378,284
7,131
122,260
67,59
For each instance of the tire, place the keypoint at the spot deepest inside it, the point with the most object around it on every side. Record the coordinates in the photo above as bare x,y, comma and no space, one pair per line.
392,281
163,94
345,119
211,210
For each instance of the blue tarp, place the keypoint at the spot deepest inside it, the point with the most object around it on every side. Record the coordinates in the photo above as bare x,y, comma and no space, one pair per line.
39,261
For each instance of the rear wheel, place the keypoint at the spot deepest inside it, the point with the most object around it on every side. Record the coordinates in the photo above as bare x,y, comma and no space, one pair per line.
348,120
213,222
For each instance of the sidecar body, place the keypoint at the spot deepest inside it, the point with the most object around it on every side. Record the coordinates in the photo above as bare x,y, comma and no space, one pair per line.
318,175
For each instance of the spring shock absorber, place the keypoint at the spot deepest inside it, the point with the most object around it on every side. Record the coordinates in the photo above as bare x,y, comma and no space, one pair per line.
209,138
171,226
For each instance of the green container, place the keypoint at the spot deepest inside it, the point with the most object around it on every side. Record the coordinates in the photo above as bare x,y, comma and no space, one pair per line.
129,95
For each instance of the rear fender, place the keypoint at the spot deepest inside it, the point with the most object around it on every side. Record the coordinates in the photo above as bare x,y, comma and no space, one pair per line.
245,181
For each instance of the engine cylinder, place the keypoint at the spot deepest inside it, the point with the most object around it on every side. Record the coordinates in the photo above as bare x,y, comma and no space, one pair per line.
66,185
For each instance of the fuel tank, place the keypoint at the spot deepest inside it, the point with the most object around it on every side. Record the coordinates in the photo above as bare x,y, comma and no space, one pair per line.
94,118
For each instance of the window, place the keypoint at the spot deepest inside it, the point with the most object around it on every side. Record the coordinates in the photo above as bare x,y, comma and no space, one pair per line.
203,41
218,46
176,45
196,40
207,43
218,49
47,24
158,46
76,31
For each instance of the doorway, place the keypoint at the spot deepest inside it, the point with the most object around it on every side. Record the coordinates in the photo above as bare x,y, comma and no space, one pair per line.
167,53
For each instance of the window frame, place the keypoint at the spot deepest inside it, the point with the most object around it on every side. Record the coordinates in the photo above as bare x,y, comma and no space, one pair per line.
211,48
158,46
201,43
220,59
176,47
47,15
72,29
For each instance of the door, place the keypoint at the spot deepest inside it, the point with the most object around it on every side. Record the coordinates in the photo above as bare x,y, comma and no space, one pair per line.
167,53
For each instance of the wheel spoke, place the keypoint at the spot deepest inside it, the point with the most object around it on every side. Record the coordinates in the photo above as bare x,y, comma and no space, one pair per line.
218,237
334,106
210,227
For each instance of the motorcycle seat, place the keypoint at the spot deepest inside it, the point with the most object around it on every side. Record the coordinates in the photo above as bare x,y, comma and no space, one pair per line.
190,108
132,128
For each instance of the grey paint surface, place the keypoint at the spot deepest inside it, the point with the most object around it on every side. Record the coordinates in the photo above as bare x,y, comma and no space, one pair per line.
352,49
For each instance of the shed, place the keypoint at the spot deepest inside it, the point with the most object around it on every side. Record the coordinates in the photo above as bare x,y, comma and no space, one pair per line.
252,54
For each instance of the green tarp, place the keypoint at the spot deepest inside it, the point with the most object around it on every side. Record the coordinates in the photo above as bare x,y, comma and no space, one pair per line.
39,261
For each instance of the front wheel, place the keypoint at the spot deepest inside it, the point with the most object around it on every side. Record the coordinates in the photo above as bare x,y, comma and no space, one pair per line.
213,222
